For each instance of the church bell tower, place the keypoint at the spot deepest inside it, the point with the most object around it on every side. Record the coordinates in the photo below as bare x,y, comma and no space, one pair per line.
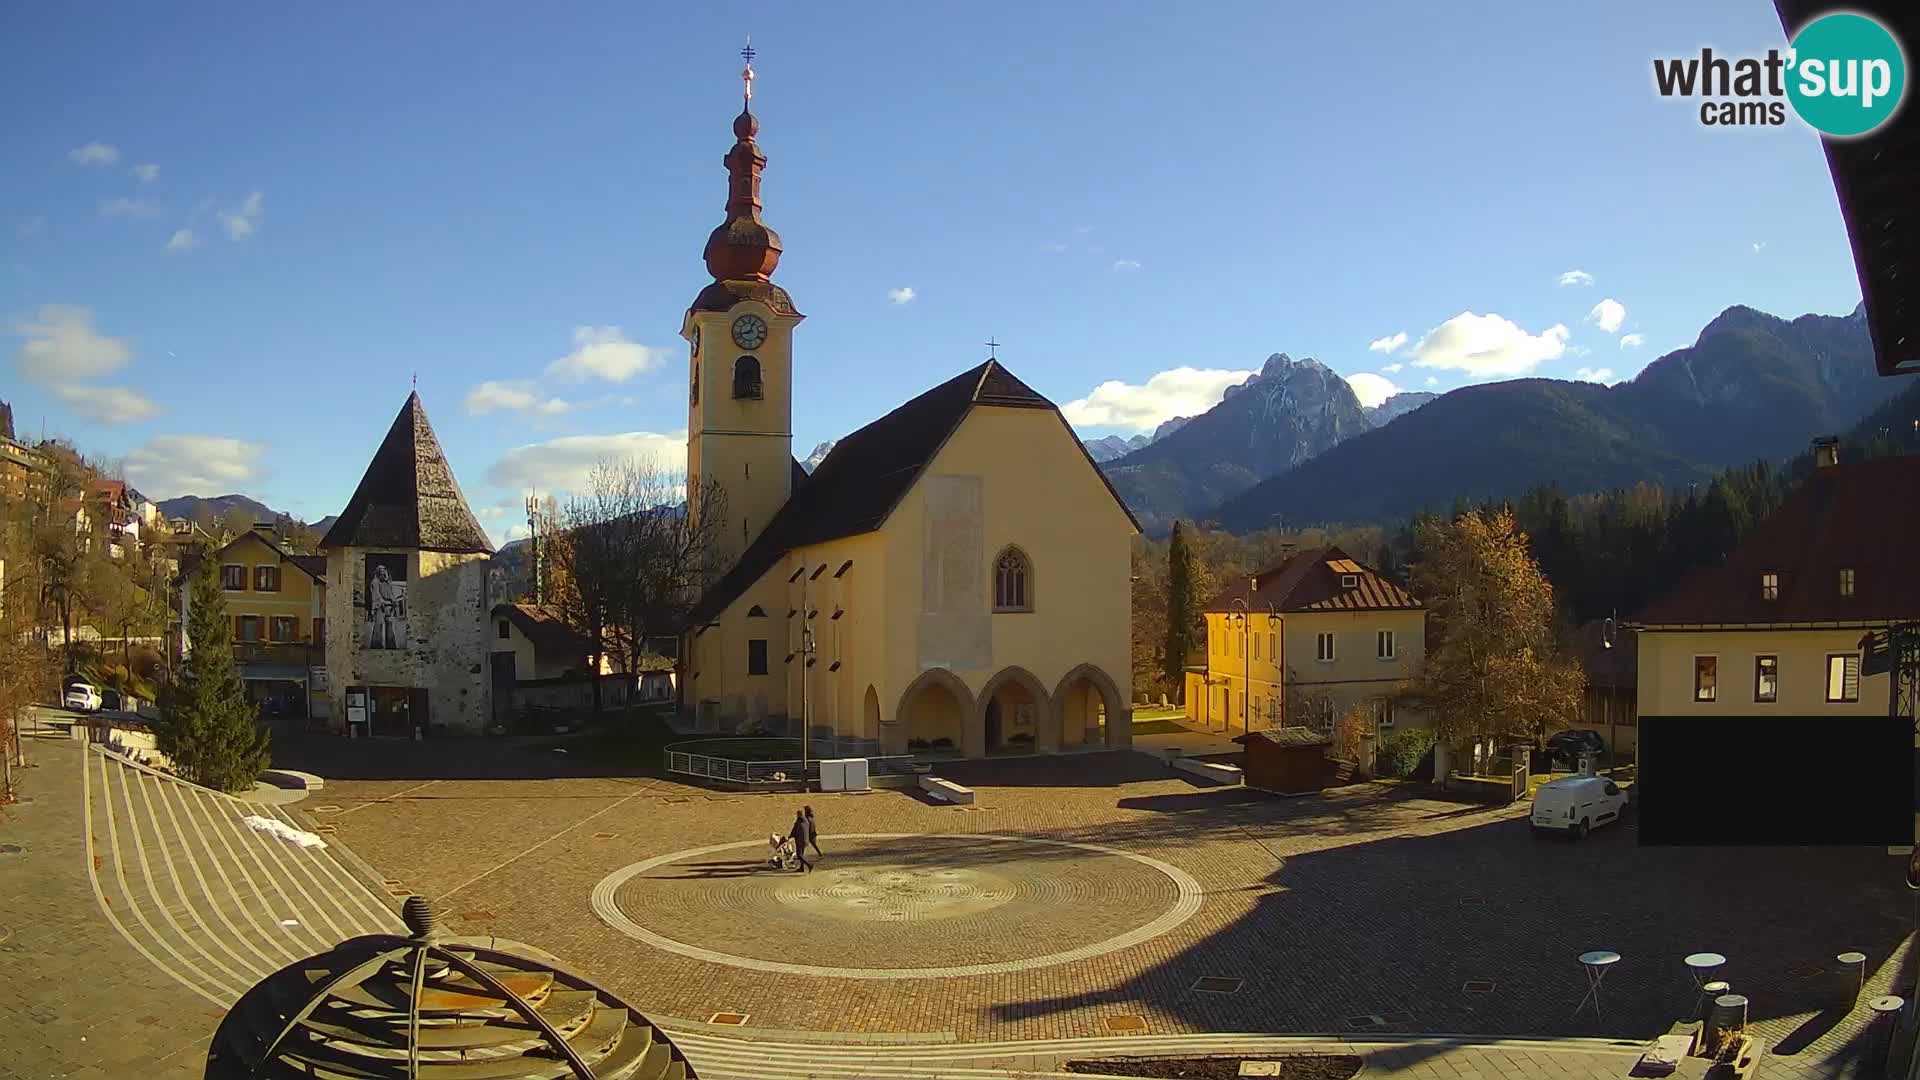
739,334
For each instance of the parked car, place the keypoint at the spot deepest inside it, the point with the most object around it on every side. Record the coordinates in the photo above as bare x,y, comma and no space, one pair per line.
112,700
82,697
1575,805
1567,746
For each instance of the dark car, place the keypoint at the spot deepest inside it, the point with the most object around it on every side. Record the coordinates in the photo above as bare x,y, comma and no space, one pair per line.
1567,746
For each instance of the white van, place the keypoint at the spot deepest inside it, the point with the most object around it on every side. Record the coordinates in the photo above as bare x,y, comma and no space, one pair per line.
1576,804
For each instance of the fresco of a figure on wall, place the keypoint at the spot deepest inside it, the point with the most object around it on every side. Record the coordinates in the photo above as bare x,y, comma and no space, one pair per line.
386,601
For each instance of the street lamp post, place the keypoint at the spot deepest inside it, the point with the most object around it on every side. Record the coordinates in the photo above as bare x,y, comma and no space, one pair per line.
806,660
1246,663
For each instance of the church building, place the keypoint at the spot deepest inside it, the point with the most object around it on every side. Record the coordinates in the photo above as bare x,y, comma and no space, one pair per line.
953,577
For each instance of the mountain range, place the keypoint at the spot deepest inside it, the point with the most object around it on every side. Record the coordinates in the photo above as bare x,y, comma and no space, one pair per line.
1751,387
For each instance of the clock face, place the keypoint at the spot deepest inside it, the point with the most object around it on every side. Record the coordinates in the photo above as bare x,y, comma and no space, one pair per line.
749,331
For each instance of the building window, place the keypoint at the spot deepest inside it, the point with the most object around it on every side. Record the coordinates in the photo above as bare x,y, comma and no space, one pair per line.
757,656
746,378
1846,581
1766,678
1273,647
1256,646
693,389
233,578
1383,713
1349,581
503,632
283,628
1843,677
1383,644
266,579
1012,581
1706,673
1770,586
320,631
1323,646
247,627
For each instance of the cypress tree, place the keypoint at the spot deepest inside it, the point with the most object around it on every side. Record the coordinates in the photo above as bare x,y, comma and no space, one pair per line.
206,726
1180,614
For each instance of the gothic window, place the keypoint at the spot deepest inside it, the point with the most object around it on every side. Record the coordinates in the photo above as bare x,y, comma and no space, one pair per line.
693,395
1012,581
746,378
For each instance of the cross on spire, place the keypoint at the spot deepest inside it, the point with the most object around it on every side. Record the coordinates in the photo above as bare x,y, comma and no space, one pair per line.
746,73
993,349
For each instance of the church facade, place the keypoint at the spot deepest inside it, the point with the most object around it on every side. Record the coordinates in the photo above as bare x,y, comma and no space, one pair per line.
953,578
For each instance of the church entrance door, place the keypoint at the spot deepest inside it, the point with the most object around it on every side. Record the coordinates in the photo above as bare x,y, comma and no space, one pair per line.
993,727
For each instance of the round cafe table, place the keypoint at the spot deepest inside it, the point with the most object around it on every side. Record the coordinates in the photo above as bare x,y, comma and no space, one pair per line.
1703,966
1596,964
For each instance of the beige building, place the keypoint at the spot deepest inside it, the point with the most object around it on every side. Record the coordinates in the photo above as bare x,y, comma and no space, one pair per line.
407,595
1777,628
278,603
953,577
1314,635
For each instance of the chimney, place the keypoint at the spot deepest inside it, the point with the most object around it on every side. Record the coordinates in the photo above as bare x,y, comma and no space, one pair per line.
1826,451
264,528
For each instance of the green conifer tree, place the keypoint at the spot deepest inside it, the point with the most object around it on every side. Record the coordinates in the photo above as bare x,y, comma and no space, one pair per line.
206,727
1180,613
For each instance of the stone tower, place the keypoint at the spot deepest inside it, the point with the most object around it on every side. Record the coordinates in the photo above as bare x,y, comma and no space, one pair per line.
739,333
407,603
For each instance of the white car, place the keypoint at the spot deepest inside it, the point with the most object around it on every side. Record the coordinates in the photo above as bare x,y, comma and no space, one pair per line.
81,697
1577,804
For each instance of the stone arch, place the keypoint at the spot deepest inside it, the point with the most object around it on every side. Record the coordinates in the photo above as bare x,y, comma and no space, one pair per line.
903,730
1068,693
870,714
1020,681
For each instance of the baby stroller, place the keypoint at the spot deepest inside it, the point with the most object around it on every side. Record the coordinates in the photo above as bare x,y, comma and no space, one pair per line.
780,852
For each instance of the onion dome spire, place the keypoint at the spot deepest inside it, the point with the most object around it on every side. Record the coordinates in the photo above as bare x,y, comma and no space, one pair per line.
743,248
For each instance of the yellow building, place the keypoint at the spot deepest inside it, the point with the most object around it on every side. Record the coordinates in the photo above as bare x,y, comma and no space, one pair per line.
1776,628
1304,641
277,601
953,577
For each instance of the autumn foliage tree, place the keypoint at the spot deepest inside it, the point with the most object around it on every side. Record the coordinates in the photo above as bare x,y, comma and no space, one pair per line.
1493,669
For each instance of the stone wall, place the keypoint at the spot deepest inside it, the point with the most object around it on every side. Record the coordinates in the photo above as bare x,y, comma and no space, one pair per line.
445,646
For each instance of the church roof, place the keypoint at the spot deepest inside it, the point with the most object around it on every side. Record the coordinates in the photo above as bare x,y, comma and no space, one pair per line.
408,497
855,489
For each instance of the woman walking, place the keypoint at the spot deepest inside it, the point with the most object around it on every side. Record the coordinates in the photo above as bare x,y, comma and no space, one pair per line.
800,833
813,831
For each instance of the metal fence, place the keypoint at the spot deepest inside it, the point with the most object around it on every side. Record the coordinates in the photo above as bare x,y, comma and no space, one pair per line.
734,771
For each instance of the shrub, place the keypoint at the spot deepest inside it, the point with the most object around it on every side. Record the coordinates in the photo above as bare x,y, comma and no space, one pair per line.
1401,750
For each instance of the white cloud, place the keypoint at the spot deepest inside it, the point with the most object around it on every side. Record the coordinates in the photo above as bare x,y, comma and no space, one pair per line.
1126,264
1758,246
1393,369
563,464
167,466
1432,381
110,405
513,396
1598,375
1576,277
147,173
1371,389
1487,345
62,344
902,295
1183,391
244,220
1608,314
1389,344
94,153
1632,341
182,240
125,207
603,352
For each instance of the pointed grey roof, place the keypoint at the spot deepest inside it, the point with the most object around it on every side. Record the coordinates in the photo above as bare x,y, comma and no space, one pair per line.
408,498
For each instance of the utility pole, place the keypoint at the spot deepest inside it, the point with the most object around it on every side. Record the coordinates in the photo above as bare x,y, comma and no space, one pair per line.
533,545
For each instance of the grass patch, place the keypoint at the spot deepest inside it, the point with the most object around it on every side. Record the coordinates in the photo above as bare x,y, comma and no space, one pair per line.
1156,713
632,744
1157,727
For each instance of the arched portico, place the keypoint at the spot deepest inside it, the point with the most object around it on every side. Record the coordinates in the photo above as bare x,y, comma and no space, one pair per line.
1013,713
1089,709
936,705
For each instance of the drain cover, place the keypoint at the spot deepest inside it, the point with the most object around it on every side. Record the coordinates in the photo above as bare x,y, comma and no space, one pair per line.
1219,984
1366,1020
1124,1025
477,916
1396,1019
1477,986
604,835
731,1019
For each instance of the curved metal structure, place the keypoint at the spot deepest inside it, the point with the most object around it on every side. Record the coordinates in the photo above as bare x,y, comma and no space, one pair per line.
427,1007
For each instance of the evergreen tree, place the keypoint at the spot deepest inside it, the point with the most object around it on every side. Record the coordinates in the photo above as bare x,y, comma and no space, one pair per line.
206,726
1180,609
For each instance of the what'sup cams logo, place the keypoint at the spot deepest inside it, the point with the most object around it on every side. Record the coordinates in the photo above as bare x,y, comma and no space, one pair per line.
1844,74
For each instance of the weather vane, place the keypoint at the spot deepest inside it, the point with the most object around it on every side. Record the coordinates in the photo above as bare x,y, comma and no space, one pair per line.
746,73
993,349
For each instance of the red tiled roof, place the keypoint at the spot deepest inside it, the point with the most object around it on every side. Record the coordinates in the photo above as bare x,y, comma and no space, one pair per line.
1305,582
1864,516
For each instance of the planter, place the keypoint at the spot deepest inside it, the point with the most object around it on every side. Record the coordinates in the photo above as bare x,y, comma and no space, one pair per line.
1738,1063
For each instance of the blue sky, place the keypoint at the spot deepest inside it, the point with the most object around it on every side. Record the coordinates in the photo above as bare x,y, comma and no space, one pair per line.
1139,200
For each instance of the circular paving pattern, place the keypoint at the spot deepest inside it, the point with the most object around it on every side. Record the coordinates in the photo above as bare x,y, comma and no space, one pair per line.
949,905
